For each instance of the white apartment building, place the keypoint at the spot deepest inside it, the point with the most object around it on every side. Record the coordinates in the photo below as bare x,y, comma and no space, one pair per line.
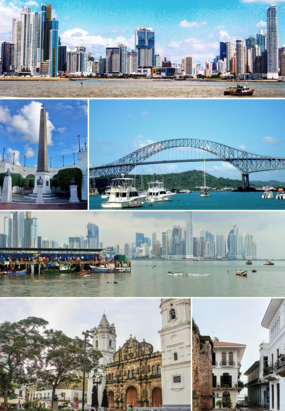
226,370
272,354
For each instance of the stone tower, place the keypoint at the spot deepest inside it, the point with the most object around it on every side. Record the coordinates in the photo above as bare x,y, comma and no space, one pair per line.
104,340
42,166
175,337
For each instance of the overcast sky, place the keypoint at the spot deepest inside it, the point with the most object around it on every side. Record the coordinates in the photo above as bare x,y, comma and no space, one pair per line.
137,316
236,320
267,227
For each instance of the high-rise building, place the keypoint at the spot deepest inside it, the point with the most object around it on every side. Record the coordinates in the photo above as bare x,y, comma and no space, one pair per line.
240,57
53,48
223,50
74,242
92,235
62,58
260,41
139,239
113,60
230,53
3,240
153,242
189,234
232,242
145,46
123,59
158,60
8,58
220,245
272,43
188,68
250,42
132,62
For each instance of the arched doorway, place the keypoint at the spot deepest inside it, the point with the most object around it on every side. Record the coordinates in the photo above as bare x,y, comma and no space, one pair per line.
132,397
214,400
156,397
111,399
226,397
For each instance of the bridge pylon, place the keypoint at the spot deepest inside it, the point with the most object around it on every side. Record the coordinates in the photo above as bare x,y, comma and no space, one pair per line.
245,181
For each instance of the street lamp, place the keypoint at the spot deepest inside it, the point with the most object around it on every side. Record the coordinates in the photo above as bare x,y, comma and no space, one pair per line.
86,335
97,380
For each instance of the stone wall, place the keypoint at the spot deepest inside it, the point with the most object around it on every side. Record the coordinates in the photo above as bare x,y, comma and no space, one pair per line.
202,347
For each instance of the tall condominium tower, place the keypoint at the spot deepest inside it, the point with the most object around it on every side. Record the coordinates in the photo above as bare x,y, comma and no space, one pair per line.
272,42
189,234
230,53
145,45
92,235
240,57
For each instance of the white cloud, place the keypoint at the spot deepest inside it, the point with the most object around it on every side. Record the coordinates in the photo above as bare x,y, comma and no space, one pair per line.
9,156
211,35
261,24
270,140
61,129
66,17
139,142
29,151
241,147
32,3
144,113
219,27
204,22
185,23
24,126
7,13
224,35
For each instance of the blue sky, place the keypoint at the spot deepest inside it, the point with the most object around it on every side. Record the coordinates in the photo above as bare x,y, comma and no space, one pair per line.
19,129
119,127
181,29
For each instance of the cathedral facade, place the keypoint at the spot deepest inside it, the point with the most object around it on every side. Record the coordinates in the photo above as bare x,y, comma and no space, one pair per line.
134,376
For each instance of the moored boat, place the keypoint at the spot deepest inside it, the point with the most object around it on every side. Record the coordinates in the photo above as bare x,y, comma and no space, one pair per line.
254,271
280,194
61,269
242,273
248,262
197,275
176,274
21,272
267,194
269,263
123,194
239,91
156,192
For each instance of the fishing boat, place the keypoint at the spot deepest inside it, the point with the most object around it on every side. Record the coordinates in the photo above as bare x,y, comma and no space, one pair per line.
242,273
254,271
22,272
61,269
124,194
197,275
204,193
239,91
267,194
85,272
248,262
280,194
269,263
176,274
96,269
156,192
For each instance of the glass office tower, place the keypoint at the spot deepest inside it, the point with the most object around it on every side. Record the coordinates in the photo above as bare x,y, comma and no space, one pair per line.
145,46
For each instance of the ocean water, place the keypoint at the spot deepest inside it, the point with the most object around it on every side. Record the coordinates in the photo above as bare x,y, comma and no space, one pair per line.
218,200
132,88
150,279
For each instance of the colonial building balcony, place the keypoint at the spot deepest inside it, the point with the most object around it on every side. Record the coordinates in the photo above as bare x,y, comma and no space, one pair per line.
227,364
279,367
236,386
269,374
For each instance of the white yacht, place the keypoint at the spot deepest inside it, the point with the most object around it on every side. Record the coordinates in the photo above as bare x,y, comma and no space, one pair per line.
123,194
157,192
204,192
107,192
267,194
280,194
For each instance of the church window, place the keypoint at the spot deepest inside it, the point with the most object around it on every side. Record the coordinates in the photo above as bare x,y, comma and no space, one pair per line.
96,343
133,373
159,369
172,314
154,370
224,358
177,379
110,343
129,374
175,356
113,377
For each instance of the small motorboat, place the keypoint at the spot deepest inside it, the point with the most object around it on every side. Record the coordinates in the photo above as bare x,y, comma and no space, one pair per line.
269,263
254,271
242,273
267,194
197,275
239,91
22,272
85,272
123,194
248,262
176,274
280,194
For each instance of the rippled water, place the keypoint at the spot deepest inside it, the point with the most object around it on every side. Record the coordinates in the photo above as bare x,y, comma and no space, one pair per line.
145,280
218,200
129,89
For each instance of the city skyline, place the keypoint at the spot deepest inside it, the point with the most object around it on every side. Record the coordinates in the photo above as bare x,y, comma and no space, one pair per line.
19,123
197,32
139,123
264,231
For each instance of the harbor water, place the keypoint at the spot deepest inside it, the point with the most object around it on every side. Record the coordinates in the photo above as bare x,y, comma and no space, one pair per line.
218,200
151,279
132,89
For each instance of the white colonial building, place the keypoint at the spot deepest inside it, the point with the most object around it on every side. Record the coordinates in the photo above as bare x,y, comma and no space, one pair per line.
104,340
257,387
175,337
226,363
272,354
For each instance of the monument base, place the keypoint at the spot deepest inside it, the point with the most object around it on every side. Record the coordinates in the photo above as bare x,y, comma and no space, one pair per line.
73,194
46,182
7,190
40,197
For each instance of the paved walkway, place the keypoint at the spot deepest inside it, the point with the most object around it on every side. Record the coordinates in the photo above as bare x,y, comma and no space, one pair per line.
67,206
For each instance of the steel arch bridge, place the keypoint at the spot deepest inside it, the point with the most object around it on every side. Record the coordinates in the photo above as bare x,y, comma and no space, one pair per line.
244,161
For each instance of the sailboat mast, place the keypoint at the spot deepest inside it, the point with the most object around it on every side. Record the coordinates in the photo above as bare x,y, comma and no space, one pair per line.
204,173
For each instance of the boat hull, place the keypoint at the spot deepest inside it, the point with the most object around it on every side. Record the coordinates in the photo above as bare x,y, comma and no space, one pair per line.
23,272
162,198
233,93
133,203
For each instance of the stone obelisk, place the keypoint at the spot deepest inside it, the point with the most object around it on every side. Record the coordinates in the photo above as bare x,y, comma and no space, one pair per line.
42,166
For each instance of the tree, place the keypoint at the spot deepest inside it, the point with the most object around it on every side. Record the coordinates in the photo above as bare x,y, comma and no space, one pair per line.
64,360
21,346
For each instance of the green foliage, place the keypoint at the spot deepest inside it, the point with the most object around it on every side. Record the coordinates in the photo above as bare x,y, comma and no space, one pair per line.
35,405
25,182
31,182
64,177
53,182
16,179
238,405
227,402
219,403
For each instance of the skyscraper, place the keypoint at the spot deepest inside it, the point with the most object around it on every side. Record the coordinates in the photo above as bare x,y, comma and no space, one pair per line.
240,57
145,46
8,58
123,58
139,239
53,48
153,241
230,53
189,235
113,60
223,50
92,235
272,43
220,245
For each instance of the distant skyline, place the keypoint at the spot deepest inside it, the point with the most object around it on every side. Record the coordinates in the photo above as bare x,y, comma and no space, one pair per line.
232,327
130,316
137,123
19,127
120,227
180,31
